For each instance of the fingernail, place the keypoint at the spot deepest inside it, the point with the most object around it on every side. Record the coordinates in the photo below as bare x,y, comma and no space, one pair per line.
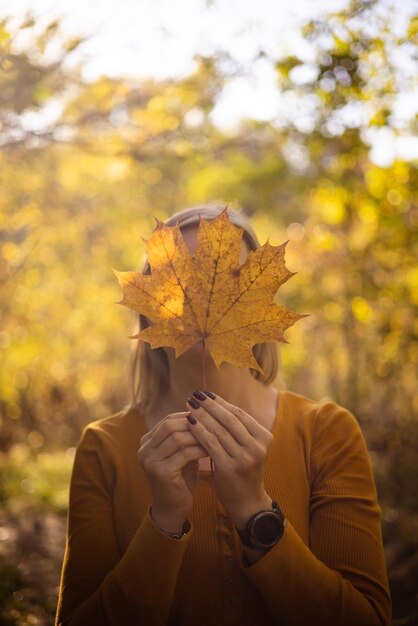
210,394
190,418
193,403
199,395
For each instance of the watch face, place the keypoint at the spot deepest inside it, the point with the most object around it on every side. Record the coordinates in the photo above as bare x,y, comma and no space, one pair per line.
267,529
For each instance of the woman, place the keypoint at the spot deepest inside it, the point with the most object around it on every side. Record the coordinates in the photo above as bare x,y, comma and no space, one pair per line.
286,530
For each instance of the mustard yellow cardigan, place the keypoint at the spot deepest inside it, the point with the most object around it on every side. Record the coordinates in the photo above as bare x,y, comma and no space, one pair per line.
328,569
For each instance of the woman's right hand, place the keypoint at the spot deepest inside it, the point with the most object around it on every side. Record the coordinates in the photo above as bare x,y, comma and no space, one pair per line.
169,455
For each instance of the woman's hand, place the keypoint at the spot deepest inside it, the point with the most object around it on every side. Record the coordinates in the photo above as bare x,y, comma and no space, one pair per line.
169,456
238,446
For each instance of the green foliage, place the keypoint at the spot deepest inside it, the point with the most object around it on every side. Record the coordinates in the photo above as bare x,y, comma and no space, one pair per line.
29,480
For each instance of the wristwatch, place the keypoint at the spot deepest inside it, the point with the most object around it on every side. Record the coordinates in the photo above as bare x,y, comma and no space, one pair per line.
264,529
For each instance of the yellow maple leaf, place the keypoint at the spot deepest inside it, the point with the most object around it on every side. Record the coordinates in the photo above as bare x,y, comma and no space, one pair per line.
209,296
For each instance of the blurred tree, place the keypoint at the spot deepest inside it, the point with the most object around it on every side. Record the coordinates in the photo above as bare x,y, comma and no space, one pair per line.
358,255
31,83
360,219
31,79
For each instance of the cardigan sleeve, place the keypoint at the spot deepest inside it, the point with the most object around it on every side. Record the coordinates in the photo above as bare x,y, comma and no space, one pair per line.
99,585
340,578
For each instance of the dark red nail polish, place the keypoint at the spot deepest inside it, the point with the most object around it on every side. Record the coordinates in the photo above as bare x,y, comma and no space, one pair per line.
199,395
191,419
193,402
210,394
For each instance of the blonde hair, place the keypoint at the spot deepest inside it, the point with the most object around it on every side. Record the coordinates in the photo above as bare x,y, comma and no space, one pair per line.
149,374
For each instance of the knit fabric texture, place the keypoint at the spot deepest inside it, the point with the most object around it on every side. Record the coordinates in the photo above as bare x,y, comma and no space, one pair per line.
328,569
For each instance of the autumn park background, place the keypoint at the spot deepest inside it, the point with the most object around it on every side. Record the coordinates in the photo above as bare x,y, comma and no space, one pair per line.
84,167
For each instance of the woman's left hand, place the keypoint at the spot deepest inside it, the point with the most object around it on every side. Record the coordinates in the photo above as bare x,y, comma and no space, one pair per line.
238,446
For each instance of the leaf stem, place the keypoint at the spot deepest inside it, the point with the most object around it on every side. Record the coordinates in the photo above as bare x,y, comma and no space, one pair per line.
204,364
204,385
